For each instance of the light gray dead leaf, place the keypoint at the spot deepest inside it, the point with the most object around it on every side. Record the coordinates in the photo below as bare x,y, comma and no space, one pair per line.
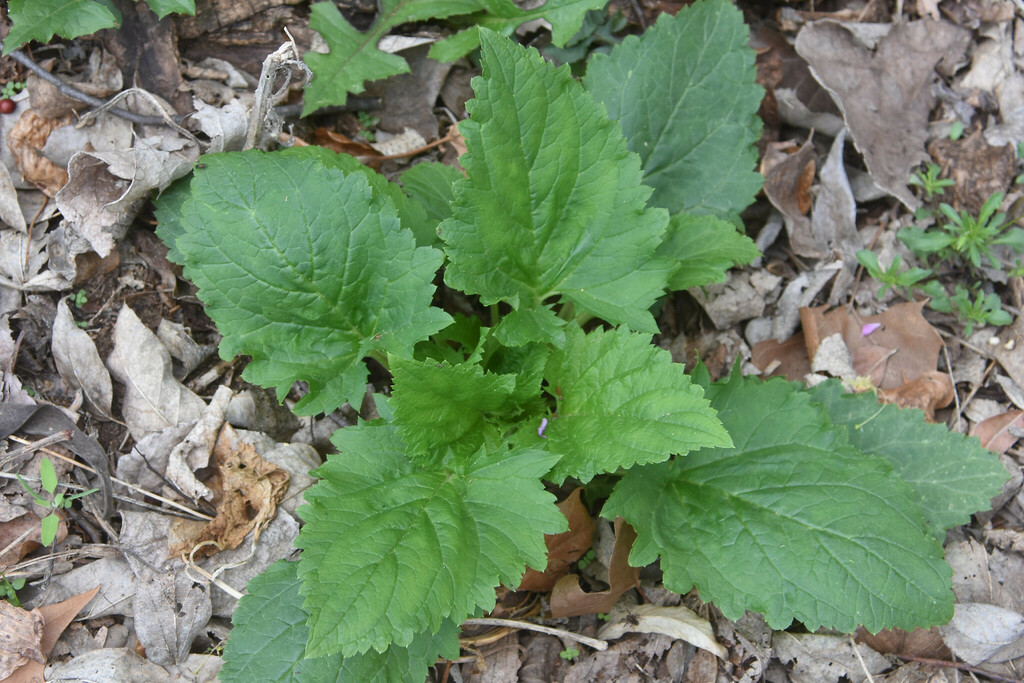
11,386
22,260
10,207
833,357
105,190
153,449
403,143
825,659
112,574
981,632
225,126
730,302
107,664
106,134
787,184
154,400
678,622
182,347
834,217
194,450
884,91
78,361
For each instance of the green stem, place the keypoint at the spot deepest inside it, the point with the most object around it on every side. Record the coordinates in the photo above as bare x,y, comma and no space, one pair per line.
494,315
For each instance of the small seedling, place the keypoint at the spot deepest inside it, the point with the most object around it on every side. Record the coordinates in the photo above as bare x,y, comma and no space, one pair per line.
8,588
587,558
10,89
891,276
57,501
965,237
956,131
569,653
80,298
929,181
983,309
368,123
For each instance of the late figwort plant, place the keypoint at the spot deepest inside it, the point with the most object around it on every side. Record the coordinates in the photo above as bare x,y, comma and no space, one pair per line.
568,227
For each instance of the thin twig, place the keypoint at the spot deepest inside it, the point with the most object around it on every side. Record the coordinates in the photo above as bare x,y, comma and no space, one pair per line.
115,480
76,94
962,666
860,659
530,626
62,435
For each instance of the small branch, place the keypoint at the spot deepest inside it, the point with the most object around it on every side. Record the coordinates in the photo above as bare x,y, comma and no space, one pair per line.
529,626
76,94
961,666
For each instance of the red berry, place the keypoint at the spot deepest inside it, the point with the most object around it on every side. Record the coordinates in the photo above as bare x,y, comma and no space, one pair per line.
6,106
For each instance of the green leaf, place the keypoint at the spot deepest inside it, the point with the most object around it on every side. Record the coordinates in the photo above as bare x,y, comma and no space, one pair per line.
526,325
430,186
504,17
48,475
168,215
392,550
686,96
354,57
439,406
305,269
704,248
952,475
268,642
792,522
165,7
48,528
622,401
40,19
553,204
923,242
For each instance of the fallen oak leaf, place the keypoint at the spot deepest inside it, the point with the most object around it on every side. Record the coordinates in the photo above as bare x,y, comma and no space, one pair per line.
995,433
929,392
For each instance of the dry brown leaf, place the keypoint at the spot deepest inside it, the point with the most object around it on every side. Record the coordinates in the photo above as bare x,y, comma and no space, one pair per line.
247,492
782,359
787,184
11,530
979,169
921,642
928,393
677,622
56,618
994,433
26,140
564,548
568,599
342,144
21,635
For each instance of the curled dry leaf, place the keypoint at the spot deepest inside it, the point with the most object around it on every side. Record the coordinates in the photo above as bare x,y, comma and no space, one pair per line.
79,363
193,452
568,599
21,635
678,622
995,433
564,548
929,392
248,491
787,184
921,642
26,141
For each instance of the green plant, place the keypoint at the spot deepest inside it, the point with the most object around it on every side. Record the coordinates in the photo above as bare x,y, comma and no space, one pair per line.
11,88
309,262
80,298
569,653
56,502
891,276
9,588
929,181
41,19
983,309
367,123
956,131
966,238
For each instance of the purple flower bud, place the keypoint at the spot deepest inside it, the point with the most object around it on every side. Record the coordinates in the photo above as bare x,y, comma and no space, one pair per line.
543,426
869,328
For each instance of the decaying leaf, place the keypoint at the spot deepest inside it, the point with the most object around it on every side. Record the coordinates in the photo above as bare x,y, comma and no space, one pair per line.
21,634
56,618
980,632
921,642
79,363
883,88
826,659
787,184
193,452
26,141
677,622
154,400
564,548
928,393
569,599
249,490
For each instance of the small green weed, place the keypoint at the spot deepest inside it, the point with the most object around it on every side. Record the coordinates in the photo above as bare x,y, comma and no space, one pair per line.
367,123
57,501
10,89
891,276
929,181
956,131
983,309
569,653
8,588
966,238
80,299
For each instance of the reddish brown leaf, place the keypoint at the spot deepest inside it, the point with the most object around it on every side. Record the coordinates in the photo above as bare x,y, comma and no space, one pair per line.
568,599
786,359
564,548
929,392
787,183
342,144
994,432
921,642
